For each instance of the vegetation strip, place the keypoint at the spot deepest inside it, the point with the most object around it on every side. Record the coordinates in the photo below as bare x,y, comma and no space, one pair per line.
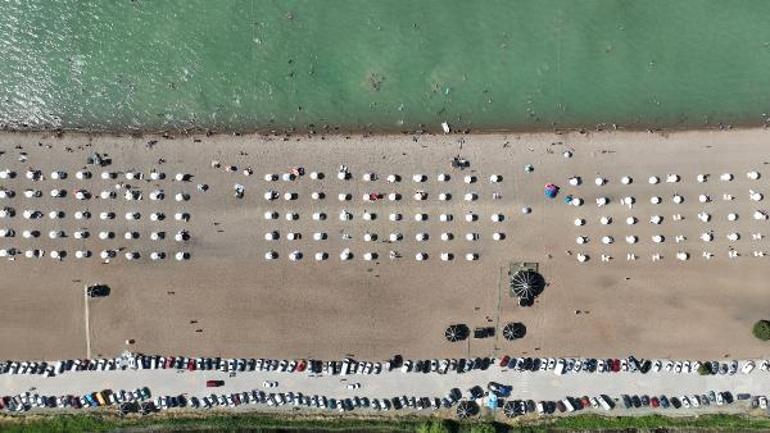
94,423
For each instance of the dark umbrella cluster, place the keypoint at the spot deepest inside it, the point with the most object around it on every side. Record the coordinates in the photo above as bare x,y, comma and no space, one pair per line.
514,331
527,285
455,333
467,409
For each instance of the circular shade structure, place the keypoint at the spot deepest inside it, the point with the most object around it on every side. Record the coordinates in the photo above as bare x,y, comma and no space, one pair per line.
467,409
455,333
509,409
527,284
514,331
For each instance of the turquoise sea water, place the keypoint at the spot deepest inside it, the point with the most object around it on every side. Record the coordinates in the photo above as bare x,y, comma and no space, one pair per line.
386,64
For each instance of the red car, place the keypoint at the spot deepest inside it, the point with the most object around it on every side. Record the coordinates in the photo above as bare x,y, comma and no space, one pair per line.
615,365
191,365
654,402
504,361
301,366
214,383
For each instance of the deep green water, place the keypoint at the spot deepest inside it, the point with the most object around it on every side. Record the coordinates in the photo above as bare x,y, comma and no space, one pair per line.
382,64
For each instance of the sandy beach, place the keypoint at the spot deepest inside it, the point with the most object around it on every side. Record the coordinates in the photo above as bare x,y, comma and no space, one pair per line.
228,300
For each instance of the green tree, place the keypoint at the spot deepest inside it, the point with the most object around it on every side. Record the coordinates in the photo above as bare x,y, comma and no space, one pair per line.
705,369
483,428
433,426
761,330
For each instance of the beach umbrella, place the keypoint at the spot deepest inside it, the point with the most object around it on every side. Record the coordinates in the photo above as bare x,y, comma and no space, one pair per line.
582,258
7,174
7,212
321,256
184,216
130,235
657,238
55,214
370,256
81,234
469,179
753,175
344,196
466,409
447,257
575,181
395,237
682,256
419,178
630,239
393,178
157,175
420,237
576,201
157,216
108,254
6,233
270,215
82,194
370,237
58,255
271,255
271,195
295,256
368,216
626,180
656,219
580,240
527,284
726,177
678,199
346,254
83,174
157,194
82,254
319,236
455,333
447,236
607,240
271,236
471,236
514,331
444,196
759,215
443,177
182,255
421,257
605,220
345,215
394,196
104,235
107,195
28,234
579,222
471,196
703,198
58,193
672,178
445,217
655,200
706,237
156,236
733,237
182,177
471,257
288,177
56,175
470,217
6,193
705,217
369,177
107,175
56,234
270,177
526,210
342,175
395,217
420,195
317,195
183,196
495,178
319,216
30,254
133,216
292,236
182,236
33,174
421,217
732,216
496,217
132,255
755,196
30,214
653,180
599,181
701,178
315,175
498,236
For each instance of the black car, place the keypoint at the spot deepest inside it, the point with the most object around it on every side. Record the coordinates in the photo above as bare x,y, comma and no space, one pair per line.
561,406
676,403
531,406
460,365
728,396
455,394
626,401
743,396
396,403
512,363
527,363
549,407
536,364
476,392
637,402
645,400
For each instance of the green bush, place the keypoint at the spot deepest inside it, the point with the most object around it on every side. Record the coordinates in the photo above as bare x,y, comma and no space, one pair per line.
433,426
482,428
705,369
761,330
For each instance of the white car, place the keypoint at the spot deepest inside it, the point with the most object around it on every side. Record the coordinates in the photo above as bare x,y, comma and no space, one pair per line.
762,402
765,365
748,367
353,386
657,366
270,384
